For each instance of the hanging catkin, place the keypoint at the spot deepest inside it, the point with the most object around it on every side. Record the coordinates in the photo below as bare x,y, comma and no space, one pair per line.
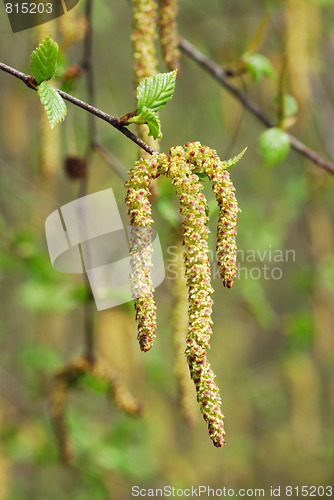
182,167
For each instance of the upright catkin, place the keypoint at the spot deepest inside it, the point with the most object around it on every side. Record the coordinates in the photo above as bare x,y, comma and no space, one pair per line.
169,38
144,35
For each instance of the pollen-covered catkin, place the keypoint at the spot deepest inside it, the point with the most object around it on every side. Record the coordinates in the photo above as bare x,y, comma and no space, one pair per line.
182,167
144,34
180,328
206,160
197,270
169,34
138,191
143,37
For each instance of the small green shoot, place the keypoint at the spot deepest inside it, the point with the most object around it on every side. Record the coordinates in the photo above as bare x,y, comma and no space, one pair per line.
230,163
155,91
53,103
43,66
258,66
44,60
152,121
152,94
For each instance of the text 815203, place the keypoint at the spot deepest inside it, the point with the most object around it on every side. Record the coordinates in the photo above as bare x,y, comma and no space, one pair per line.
28,8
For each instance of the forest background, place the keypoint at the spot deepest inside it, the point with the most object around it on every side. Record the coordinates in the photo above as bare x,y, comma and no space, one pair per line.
272,348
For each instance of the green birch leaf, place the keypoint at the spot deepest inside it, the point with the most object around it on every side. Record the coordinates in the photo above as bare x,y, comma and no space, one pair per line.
152,121
230,163
258,66
53,103
274,145
290,104
155,91
44,60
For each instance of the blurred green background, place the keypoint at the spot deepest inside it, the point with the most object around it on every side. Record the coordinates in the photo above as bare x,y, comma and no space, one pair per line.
272,348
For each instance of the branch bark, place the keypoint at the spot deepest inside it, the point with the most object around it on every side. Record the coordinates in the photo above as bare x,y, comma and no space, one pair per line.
214,70
220,75
112,120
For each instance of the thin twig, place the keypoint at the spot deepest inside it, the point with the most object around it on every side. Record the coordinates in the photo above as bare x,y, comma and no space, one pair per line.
87,65
212,68
220,75
112,120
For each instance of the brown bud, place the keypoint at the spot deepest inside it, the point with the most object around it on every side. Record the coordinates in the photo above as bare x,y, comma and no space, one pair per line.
75,167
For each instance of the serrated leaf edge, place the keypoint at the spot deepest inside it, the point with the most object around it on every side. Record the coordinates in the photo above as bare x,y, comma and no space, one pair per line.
56,109
153,122
40,54
145,117
155,91
232,161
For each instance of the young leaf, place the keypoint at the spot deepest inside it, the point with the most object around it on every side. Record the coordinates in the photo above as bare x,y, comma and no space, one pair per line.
274,145
53,103
289,103
153,92
230,163
152,121
44,60
258,66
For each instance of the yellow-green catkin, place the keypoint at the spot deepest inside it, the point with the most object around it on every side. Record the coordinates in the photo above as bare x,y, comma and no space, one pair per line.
169,33
144,34
197,271
206,160
182,167
180,328
138,191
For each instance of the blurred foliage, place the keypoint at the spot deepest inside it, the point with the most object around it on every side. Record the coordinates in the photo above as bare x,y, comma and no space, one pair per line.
274,145
272,348
258,66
